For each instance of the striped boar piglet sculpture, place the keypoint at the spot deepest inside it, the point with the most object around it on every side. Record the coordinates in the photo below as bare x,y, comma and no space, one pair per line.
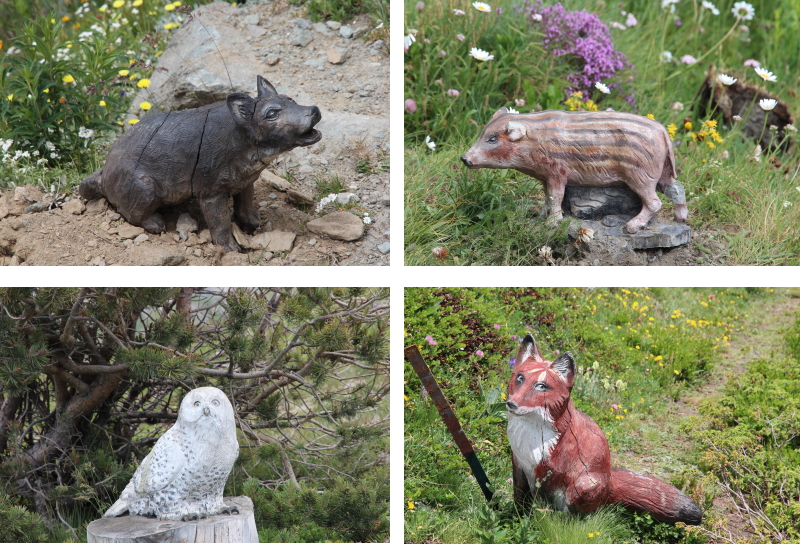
592,148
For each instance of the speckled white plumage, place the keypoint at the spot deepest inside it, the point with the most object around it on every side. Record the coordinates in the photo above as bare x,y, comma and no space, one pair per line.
185,472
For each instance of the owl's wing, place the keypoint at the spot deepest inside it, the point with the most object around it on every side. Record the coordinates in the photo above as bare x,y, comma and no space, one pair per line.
162,465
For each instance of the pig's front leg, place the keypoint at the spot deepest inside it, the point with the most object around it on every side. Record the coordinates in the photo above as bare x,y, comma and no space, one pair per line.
215,211
244,209
554,195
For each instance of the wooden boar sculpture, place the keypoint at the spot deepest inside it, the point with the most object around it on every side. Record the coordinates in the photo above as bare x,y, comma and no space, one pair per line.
591,148
560,452
208,153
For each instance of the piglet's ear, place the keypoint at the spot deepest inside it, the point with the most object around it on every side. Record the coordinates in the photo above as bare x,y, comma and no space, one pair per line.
242,108
499,112
528,350
515,131
265,88
565,366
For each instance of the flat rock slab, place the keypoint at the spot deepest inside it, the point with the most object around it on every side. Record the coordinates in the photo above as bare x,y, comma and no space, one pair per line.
657,234
338,225
240,527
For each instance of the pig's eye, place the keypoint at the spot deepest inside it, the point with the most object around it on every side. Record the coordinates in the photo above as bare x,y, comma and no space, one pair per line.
520,378
271,114
541,386
492,139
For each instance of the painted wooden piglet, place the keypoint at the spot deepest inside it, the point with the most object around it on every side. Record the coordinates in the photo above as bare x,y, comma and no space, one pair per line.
209,153
561,453
595,149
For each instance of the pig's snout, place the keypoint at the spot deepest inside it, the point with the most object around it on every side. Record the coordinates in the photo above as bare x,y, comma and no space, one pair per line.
466,161
315,114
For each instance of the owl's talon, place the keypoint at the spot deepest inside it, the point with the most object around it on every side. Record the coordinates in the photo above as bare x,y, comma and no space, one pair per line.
230,510
190,517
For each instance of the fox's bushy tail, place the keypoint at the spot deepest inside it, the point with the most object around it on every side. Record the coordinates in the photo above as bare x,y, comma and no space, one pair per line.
645,493
90,187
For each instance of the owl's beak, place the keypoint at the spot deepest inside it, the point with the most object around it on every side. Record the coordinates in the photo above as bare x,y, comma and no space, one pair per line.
206,411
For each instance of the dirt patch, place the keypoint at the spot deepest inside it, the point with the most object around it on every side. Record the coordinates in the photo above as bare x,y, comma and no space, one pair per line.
353,97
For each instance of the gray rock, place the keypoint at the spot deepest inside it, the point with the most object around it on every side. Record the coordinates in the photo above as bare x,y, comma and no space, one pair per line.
337,55
272,60
141,238
251,19
37,207
384,200
301,23
96,206
611,233
346,32
256,31
301,37
338,225
346,198
186,224
333,25
272,196
129,231
74,206
322,28
384,248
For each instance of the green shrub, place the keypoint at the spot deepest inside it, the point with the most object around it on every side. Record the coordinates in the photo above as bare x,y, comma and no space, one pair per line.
17,524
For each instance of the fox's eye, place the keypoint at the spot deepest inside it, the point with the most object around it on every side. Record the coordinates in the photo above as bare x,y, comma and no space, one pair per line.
492,139
541,386
520,378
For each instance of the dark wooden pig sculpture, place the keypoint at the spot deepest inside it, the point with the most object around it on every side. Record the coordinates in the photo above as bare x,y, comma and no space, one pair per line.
593,148
208,153
559,451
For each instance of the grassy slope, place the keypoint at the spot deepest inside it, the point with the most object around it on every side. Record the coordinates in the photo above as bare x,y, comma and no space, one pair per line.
642,434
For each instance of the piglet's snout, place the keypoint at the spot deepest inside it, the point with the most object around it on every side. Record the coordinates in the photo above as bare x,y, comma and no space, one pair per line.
465,160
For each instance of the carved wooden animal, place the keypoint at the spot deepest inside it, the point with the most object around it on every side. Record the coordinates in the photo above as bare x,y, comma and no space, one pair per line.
208,153
559,451
595,149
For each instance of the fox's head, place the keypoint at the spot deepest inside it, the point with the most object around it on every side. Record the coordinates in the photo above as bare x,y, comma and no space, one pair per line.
540,386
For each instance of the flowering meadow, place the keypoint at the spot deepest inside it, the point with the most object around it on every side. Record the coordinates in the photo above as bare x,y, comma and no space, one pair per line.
464,60
67,80
641,353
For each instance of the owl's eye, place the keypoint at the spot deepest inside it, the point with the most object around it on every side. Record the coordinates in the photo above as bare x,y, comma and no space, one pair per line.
197,403
215,402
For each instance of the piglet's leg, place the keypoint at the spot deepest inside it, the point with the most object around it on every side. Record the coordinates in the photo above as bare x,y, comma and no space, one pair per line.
215,211
651,204
554,195
244,209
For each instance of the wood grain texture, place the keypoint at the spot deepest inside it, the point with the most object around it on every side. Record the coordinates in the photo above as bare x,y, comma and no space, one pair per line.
239,527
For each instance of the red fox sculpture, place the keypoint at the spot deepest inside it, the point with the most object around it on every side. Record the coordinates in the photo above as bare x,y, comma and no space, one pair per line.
561,453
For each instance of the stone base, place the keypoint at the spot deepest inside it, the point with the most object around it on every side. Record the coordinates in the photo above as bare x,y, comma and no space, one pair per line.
605,210
239,527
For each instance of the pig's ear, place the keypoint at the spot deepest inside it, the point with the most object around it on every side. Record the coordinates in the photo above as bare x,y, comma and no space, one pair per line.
515,131
528,349
265,88
498,113
242,108
565,366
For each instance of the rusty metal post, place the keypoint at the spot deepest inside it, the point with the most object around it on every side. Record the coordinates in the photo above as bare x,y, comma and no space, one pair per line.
413,356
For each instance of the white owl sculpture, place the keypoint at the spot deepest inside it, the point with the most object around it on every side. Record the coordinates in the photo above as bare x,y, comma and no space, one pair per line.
183,477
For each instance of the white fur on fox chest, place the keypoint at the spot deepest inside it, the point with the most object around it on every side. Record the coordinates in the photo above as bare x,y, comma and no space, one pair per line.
532,437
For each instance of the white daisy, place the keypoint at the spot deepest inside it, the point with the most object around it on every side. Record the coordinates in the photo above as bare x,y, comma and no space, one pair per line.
482,6
602,88
743,11
766,75
665,56
430,143
480,54
726,79
767,104
711,7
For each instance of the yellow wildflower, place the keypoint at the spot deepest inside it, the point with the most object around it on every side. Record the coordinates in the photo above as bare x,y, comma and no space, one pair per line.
103,103
143,83
65,18
145,106
687,125
137,3
410,505
118,3
67,79
169,7
133,121
124,73
672,129
650,116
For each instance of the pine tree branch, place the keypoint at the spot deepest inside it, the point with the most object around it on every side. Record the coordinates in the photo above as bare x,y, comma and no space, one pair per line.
144,415
66,336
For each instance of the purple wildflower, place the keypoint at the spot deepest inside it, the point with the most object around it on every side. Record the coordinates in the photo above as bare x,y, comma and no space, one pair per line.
430,340
678,23
479,353
614,406
411,106
583,35
512,362
442,54
513,336
496,327
460,37
499,11
580,389
420,6
453,93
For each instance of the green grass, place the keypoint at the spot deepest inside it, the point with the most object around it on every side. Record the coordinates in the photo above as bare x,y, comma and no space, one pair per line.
638,350
753,205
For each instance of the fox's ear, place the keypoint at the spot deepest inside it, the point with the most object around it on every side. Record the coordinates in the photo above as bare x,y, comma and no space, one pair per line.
528,349
565,366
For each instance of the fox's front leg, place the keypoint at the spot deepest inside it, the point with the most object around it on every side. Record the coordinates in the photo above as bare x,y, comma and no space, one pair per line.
522,489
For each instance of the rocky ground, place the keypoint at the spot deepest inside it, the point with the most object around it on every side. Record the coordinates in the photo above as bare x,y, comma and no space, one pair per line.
343,68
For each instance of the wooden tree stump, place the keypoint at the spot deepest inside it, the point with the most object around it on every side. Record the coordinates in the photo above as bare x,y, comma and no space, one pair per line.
239,527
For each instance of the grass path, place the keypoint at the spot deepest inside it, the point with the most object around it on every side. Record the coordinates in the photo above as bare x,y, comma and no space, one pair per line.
663,449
